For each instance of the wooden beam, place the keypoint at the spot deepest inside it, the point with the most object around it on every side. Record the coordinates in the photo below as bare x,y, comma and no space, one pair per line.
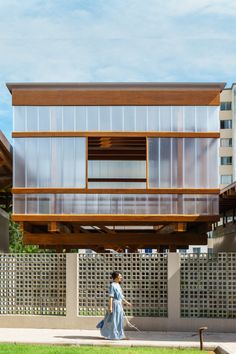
53,226
108,97
115,191
106,229
98,134
118,219
122,240
180,227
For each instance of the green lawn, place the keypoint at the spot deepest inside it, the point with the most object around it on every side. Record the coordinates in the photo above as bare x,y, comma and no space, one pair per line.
43,349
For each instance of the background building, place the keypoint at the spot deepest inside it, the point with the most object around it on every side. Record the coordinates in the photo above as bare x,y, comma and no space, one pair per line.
227,136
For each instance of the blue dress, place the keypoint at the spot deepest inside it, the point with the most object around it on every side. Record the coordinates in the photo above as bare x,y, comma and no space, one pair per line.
112,326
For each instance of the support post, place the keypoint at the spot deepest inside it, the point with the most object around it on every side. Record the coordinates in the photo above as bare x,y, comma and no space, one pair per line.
173,287
71,287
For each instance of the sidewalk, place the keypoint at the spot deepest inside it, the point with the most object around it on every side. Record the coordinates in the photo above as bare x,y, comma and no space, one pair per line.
227,341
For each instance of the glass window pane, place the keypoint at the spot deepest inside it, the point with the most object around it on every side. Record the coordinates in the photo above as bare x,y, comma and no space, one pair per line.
226,124
226,179
226,142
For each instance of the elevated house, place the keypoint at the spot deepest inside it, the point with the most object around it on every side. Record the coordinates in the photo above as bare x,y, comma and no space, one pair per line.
116,165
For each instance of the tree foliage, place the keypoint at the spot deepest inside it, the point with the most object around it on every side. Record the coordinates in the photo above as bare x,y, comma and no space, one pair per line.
16,240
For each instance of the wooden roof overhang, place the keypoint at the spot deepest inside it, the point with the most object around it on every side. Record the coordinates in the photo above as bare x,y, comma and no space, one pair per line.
70,94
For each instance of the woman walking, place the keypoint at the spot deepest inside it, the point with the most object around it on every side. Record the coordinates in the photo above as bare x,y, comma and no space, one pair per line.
112,327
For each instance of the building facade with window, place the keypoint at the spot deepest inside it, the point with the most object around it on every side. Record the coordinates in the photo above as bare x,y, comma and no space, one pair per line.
227,136
121,166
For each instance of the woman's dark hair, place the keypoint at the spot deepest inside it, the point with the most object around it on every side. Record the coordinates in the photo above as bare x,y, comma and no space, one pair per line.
115,274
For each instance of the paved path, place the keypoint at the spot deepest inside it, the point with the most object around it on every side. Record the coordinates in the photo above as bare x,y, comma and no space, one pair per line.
92,337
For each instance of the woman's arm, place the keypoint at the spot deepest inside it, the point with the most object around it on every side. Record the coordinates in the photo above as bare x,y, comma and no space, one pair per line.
110,304
126,302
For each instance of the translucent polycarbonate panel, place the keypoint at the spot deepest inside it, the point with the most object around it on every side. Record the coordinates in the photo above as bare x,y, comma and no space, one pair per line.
56,118
116,118
93,118
32,118
50,162
81,118
68,116
189,119
44,122
183,163
19,118
79,163
190,164
19,204
213,160
19,163
105,118
141,118
213,123
44,162
32,204
201,119
116,204
116,169
115,185
165,118
177,118
129,118
31,162
153,118
204,164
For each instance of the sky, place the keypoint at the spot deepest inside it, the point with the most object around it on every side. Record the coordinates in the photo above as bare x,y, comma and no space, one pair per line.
114,40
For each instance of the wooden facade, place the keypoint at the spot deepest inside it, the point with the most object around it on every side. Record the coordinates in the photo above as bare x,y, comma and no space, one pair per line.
90,223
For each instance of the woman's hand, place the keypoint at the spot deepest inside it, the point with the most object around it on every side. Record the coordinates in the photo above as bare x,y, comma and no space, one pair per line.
128,303
110,309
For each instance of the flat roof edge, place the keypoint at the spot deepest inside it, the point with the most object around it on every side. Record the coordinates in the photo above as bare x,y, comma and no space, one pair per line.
118,86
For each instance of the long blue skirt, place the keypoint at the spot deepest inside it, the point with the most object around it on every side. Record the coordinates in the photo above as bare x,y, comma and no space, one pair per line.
112,326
